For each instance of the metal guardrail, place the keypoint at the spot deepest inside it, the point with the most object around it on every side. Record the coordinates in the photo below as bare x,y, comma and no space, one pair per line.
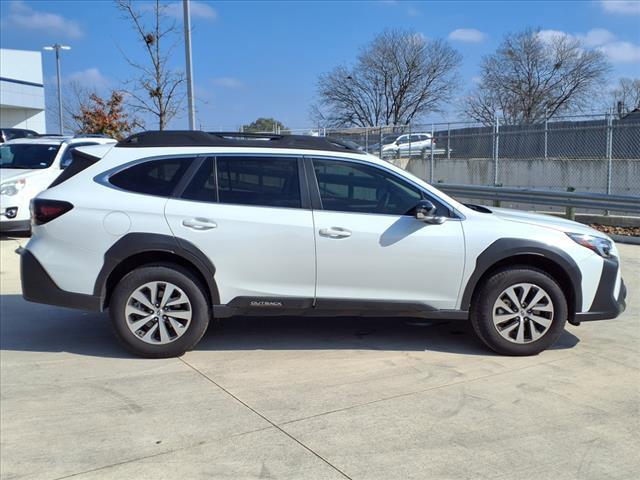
595,201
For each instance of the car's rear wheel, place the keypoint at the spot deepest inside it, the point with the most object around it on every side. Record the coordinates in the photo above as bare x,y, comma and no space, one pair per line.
519,311
159,311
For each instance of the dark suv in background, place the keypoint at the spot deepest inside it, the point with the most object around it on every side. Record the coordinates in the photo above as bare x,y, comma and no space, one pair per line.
7,134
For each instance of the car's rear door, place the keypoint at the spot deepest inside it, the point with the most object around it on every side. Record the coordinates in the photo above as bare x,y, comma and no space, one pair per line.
369,249
250,215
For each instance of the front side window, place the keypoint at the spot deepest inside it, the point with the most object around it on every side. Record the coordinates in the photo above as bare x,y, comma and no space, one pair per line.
260,181
27,156
353,187
155,177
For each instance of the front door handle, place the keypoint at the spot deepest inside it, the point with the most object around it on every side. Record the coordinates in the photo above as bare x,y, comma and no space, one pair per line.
335,232
199,223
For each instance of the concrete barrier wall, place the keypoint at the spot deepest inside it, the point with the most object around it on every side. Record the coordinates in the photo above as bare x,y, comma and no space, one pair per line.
582,174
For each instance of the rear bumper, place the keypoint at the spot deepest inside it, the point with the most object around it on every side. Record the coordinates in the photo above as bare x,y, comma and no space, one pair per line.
38,287
606,305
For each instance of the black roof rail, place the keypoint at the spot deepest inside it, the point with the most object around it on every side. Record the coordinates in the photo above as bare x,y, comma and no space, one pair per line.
91,135
197,138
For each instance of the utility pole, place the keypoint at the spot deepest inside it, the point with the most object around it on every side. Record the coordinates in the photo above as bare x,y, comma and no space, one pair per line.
187,52
57,47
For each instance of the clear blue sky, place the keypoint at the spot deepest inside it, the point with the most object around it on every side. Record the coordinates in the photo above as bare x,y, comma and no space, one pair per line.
263,58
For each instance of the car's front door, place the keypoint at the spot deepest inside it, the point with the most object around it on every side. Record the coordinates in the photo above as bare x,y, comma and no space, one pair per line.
369,249
249,215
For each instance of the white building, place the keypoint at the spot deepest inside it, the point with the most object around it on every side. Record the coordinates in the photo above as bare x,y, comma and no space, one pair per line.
21,90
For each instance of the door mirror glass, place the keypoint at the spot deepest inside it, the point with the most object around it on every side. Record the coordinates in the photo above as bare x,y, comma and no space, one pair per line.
425,211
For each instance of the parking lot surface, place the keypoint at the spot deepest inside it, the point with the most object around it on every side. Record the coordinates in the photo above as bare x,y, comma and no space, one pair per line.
276,398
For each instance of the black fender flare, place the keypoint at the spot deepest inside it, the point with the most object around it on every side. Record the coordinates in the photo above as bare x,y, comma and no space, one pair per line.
133,244
509,247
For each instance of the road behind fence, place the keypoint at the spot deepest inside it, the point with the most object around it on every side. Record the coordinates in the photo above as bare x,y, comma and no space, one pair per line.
598,153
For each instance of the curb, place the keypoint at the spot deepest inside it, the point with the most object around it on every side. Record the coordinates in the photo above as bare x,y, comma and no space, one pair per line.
628,239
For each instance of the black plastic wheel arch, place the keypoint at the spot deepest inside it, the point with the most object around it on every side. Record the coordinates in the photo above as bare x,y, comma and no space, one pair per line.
133,244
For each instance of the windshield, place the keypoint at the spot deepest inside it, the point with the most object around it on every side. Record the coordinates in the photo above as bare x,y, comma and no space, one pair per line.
27,156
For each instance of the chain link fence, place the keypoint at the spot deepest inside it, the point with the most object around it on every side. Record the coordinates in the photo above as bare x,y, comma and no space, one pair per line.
595,153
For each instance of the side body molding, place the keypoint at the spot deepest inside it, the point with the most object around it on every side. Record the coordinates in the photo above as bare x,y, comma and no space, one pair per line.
510,247
133,244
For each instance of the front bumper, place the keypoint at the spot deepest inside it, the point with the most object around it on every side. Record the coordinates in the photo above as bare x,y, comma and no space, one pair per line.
605,305
39,287
14,216
7,226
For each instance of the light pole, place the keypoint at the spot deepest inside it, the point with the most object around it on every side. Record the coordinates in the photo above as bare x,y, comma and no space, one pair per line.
187,52
57,47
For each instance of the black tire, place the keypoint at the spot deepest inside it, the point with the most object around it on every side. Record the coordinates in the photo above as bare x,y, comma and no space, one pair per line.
178,276
481,314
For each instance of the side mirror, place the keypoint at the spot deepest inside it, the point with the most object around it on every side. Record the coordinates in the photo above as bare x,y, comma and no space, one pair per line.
425,211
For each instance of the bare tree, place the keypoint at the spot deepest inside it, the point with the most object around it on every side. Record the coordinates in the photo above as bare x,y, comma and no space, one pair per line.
77,98
75,95
531,77
398,77
157,89
625,97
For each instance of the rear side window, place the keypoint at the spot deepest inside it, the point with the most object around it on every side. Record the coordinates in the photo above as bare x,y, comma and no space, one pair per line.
262,181
155,177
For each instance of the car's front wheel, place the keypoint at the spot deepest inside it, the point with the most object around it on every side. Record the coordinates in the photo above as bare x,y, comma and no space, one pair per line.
159,311
519,311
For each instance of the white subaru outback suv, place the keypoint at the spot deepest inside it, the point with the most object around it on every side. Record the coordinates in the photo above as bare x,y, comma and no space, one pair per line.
28,166
171,229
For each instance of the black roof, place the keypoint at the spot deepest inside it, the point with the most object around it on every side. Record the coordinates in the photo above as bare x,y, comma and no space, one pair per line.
196,138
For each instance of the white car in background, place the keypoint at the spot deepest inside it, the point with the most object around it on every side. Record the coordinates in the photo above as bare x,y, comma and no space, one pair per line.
408,145
28,166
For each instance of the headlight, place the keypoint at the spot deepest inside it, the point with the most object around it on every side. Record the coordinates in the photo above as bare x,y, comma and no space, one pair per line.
13,187
599,245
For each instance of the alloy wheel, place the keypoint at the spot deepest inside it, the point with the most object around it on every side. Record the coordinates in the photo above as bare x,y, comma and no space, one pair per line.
523,313
158,312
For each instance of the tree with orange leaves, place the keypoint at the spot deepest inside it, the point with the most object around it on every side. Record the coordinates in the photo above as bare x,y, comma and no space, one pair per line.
107,117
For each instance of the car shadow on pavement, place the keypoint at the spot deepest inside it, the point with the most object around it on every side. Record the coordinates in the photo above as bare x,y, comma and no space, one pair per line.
14,236
33,327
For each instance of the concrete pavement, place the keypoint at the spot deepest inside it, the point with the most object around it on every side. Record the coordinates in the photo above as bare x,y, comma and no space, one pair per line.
277,398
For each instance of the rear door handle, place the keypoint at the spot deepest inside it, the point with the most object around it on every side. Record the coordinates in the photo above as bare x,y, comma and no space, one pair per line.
199,223
335,232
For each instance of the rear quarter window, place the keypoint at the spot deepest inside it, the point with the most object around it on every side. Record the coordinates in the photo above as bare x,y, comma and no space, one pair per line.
153,177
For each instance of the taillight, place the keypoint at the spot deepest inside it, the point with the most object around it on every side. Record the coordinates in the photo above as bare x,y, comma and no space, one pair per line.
43,210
